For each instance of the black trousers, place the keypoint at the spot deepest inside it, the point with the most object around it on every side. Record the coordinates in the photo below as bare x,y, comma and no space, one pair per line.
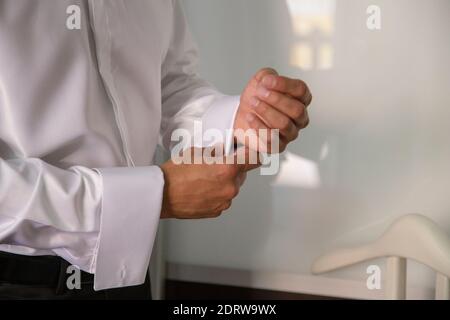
46,278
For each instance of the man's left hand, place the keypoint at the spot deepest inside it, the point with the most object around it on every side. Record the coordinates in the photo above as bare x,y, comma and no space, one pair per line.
271,102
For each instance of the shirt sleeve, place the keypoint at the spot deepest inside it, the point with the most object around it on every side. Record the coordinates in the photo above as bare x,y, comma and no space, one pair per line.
131,209
102,220
187,99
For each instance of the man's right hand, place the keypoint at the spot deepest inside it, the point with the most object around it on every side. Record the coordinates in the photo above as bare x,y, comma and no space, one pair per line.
198,191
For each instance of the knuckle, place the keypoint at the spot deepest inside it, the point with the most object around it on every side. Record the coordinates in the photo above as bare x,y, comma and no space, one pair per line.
217,213
254,82
298,111
227,205
282,83
262,108
227,171
222,171
284,123
301,86
306,123
275,98
295,135
232,191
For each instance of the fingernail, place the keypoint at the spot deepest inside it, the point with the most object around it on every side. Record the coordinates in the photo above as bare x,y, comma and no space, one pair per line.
250,117
269,81
263,92
254,101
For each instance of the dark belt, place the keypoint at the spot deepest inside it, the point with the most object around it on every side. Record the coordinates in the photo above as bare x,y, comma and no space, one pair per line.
49,271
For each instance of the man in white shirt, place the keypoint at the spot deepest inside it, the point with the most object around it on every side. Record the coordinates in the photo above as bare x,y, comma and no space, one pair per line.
81,112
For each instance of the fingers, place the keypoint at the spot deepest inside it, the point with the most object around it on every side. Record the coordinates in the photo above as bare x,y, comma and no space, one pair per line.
233,193
296,88
243,160
240,161
231,187
288,106
226,206
256,126
255,123
275,119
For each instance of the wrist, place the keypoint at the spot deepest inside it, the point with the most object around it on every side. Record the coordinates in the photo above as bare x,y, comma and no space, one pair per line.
165,212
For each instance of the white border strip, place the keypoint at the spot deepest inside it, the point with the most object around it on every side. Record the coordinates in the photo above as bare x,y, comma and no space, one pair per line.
286,282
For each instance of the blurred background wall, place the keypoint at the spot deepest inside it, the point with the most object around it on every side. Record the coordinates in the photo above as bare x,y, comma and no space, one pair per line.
378,145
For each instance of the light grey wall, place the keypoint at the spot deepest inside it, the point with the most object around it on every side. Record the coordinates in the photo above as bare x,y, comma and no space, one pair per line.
379,136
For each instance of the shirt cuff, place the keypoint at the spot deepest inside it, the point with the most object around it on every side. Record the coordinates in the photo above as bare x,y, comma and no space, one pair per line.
131,208
220,117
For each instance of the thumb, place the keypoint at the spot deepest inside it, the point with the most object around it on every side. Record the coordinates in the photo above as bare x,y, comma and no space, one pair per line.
264,72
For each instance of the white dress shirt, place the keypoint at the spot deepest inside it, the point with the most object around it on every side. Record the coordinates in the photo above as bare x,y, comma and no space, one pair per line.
81,114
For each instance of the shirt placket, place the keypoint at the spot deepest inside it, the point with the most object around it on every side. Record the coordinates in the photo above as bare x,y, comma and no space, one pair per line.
100,21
